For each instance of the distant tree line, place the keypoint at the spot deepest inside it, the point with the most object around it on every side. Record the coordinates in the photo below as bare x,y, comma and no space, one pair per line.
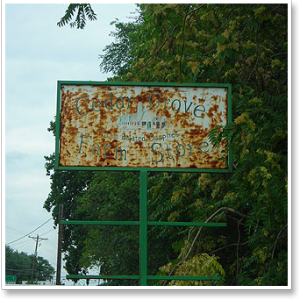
20,264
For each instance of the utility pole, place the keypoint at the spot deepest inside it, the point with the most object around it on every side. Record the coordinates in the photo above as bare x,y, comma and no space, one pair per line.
60,229
37,239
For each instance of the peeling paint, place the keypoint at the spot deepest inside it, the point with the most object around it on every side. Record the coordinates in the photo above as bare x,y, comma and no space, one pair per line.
141,126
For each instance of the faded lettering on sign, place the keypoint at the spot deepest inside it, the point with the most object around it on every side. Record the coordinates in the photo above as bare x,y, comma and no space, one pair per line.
141,126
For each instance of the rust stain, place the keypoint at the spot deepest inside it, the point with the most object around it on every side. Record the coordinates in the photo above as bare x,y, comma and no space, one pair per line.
141,126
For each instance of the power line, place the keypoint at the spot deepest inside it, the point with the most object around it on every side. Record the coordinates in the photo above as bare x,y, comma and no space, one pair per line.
28,233
20,244
52,231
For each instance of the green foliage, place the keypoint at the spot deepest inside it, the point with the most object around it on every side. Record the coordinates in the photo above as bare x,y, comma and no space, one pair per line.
113,249
118,57
199,265
241,44
83,10
20,264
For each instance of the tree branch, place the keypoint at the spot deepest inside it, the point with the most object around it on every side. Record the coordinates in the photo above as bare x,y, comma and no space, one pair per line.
183,43
277,238
237,252
279,9
209,219
163,43
155,54
185,257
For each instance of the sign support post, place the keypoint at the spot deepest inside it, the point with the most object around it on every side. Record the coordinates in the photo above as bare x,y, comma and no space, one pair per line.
60,229
143,226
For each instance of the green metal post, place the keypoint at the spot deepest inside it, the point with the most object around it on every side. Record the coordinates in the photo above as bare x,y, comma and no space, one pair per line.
143,227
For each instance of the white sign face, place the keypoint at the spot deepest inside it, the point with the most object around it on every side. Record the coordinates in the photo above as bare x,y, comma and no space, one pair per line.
135,126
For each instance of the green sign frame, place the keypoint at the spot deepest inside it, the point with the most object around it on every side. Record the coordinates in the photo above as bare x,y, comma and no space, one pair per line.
143,222
60,84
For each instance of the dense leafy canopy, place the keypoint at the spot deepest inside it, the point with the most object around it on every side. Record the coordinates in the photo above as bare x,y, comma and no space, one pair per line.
246,46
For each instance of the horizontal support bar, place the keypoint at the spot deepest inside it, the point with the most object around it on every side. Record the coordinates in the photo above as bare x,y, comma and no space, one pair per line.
100,222
150,223
155,223
103,277
136,169
149,277
184,277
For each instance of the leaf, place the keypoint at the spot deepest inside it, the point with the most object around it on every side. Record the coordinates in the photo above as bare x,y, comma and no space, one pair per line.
82,11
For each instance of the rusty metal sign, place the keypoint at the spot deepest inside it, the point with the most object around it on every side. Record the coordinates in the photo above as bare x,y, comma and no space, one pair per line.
104,125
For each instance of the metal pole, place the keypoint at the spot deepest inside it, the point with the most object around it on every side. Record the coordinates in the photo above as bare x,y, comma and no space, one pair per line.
143,227
37,239
60,228
34,258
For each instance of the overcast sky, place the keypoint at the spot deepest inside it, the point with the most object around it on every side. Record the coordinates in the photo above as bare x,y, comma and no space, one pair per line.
37,54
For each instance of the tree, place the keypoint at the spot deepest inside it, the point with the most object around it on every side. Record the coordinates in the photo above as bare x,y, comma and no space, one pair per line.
241,44
20,264
245,45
